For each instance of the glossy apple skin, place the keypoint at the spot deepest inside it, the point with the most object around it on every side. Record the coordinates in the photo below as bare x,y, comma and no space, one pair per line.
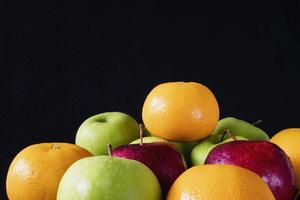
107,177
184,147
201,150
262,157
240,128
162,158
113,128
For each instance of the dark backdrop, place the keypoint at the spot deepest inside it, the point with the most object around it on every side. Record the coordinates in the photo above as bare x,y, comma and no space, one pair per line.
68,61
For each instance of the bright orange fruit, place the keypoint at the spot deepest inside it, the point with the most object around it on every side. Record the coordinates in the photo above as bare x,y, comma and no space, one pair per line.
181,111
35,172
289,141
216,182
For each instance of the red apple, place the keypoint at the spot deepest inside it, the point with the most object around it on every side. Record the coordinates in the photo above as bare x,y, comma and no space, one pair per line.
161,157
264,158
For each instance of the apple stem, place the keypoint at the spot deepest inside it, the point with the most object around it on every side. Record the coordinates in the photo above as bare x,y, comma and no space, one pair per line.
109,149
141,126
257,122
229,133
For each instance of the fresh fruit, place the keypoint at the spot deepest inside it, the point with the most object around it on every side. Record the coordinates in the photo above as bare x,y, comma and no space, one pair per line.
264,158
179,111
201,150
289,141
35,172
107,177
149,139
240,128
184,147
226,182
161,157
113,128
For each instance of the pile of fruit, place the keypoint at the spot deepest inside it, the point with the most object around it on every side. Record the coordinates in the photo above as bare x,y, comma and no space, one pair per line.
182,152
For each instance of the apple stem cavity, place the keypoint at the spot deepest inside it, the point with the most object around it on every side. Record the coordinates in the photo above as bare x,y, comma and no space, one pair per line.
109,150
257,122
229,133
141,126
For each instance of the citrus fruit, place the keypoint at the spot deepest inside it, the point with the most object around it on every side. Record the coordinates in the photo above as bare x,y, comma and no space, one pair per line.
289,141
35,172
219,182
180,111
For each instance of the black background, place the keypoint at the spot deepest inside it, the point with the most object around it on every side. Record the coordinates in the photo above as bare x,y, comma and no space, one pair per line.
67,61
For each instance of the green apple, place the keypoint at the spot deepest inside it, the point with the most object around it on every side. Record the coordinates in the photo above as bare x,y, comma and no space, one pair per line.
201,150
184,147
240,128
149,139
107,177
113,128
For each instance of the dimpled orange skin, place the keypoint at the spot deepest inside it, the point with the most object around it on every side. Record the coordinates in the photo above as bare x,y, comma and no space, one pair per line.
289,141
180,111
219,182
35,172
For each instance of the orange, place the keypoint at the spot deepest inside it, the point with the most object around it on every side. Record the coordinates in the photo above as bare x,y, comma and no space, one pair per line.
180,111
219,182
35,172
289,141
